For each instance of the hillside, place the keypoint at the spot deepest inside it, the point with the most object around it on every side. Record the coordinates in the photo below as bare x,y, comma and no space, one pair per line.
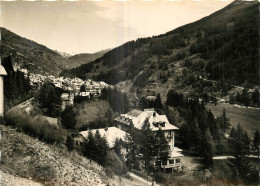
248,118
38,58
27,157
221,47
85,58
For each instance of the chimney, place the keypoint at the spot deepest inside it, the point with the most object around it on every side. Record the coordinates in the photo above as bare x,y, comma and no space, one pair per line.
2,74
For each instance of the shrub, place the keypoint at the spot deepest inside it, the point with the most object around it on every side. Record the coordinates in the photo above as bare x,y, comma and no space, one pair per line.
68,118
115,164
160,177
33,127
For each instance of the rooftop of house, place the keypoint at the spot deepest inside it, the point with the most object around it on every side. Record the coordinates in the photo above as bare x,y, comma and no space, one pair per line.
175,154
110,133
151,97
50,120
138,118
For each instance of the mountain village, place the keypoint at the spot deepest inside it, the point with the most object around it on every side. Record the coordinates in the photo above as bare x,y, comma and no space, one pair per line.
180,108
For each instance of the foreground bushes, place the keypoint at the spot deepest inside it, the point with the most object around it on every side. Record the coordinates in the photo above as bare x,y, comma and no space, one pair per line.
34,127
114,165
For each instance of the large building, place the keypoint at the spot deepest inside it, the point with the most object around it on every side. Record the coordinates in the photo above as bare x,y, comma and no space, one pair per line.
111,134
138,118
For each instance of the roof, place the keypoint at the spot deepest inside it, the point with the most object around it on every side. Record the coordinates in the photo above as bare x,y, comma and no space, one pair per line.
2,71
175,154
177,149
110,133
64,95
151,97
51,121
138,119
133,113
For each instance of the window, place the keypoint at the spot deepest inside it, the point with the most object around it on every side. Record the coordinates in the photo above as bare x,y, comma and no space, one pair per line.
171,161
164,162
178,160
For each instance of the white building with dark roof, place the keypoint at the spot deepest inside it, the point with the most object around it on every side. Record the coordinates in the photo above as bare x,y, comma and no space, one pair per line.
157,121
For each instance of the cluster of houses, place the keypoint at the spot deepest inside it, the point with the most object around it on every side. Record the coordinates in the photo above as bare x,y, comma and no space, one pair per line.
71,86
68,84
138,119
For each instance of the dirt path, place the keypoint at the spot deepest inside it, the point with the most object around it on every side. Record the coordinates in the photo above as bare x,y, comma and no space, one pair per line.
133,181
226,157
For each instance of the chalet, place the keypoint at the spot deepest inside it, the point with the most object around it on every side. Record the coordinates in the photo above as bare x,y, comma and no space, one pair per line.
110,133
138,118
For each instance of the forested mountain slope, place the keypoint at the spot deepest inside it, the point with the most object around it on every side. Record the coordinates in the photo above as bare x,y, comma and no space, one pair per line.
221,47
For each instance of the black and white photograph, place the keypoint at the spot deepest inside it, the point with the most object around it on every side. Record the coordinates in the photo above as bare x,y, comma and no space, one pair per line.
129,92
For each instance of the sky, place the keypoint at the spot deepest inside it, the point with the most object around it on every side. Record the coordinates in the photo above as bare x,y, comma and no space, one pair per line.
91,26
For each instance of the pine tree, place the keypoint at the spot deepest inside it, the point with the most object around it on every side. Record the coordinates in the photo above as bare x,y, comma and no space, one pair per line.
256,97
240,157
101,149
133,141
196,135
109,116
158,102
207,149
223,121
161,146
68,118
117,148
147,144
69,143
90,147
256,142
49,97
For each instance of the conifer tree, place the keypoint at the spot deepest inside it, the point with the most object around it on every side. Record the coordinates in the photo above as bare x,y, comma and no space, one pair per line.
68,118
69,143
90,147
147,144
161,146
158,102
239,158
101,148
207,149
256,142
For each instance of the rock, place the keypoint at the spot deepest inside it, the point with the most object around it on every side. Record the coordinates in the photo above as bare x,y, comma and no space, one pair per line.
27,158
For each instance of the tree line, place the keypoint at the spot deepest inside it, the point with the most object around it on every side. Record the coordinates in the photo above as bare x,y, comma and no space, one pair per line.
16,84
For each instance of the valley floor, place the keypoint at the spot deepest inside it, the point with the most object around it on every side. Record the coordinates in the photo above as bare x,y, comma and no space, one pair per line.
248,118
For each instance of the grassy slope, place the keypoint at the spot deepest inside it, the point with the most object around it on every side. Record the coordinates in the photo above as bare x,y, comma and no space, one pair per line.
28,157
248,118
94,110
